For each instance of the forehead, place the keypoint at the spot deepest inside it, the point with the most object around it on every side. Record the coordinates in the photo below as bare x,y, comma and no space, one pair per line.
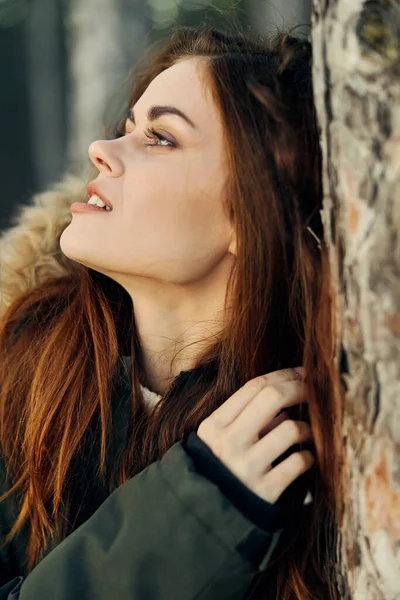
185,86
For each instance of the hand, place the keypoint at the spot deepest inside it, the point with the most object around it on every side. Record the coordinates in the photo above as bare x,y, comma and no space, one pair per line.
247,434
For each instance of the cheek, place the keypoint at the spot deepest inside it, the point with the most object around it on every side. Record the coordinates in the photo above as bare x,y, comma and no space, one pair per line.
172,230
177,207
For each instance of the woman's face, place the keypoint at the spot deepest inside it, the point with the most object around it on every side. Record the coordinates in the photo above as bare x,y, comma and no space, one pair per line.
167,222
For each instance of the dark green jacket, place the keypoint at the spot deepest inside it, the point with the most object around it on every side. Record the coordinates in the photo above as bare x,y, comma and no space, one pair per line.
182,529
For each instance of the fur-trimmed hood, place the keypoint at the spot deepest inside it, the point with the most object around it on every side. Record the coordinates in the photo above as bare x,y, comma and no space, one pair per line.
30,248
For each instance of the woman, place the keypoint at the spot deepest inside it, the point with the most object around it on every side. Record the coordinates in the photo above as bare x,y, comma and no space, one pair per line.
147,454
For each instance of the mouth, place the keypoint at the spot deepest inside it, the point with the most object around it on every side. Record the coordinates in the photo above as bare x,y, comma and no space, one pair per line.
92,190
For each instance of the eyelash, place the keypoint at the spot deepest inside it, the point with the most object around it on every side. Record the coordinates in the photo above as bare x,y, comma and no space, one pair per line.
151,134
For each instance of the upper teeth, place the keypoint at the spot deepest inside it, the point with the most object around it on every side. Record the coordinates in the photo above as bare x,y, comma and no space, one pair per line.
96,200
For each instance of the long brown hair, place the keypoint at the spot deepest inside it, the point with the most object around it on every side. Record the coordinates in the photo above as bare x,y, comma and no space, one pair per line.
57,371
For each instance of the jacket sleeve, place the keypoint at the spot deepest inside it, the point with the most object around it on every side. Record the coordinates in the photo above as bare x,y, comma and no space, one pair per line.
169,532
261,512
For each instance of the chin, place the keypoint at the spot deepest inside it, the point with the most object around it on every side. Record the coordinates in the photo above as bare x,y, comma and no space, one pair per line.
73,249
69,245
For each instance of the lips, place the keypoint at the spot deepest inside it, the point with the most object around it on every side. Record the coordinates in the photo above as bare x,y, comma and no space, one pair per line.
93,189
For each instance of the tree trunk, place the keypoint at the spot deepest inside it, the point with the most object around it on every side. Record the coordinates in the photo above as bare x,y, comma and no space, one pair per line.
356,73
105,39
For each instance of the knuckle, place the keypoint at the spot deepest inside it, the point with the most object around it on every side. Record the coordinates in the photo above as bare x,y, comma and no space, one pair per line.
269,489
255,384
291,428
291,372
297,430
206,430
260,384
243,470
263,491
302,460
274,395
204,426
222,445
274,390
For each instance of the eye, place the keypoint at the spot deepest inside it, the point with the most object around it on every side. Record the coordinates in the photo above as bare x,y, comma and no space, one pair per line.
150,133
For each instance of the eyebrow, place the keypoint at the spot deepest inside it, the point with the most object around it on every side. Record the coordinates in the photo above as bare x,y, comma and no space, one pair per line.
155,112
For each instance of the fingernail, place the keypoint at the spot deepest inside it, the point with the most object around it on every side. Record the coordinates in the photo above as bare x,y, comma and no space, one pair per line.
301,371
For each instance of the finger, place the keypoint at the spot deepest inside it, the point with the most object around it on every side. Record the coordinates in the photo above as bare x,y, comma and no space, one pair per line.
281,476
245,430
233,406
278,376
281,438
275,421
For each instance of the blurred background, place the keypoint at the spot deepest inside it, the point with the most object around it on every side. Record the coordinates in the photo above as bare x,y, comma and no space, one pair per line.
63,61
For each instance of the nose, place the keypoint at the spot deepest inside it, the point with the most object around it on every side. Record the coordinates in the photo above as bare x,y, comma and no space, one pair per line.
105,159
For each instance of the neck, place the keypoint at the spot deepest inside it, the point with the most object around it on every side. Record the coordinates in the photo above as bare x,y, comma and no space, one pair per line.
176,324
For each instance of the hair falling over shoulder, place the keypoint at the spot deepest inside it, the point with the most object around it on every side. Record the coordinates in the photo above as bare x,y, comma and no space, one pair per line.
60,340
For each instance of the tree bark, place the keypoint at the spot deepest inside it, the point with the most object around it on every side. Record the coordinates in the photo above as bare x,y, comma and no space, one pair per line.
356,74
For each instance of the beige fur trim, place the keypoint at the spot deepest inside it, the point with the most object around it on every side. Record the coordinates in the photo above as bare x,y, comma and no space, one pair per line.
29,249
